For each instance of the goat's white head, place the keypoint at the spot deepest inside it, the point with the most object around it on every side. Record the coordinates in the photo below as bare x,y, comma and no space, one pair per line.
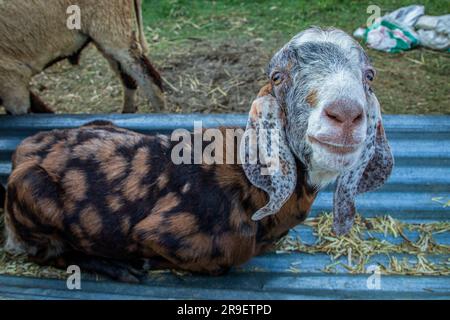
326,93
320,84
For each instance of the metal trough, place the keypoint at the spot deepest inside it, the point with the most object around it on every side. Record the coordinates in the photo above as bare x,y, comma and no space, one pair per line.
421,146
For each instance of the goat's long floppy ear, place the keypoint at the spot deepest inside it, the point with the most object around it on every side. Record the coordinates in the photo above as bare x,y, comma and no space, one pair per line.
380,165
266,158
370,173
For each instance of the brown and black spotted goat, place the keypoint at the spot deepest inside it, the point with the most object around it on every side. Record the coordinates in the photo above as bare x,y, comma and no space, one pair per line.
34,35
104,197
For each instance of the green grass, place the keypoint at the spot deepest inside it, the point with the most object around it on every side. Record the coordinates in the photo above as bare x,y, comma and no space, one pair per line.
183,18
412,82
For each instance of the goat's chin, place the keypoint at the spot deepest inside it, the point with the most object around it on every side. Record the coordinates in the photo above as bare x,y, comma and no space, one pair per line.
332,161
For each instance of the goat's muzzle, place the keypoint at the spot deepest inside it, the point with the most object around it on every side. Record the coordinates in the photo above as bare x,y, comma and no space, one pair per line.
332,147
344,119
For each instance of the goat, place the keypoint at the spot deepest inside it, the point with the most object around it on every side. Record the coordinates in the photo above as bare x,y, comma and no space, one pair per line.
106,198
34,35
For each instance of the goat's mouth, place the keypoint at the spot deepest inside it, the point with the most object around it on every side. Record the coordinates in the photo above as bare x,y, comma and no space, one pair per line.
334,148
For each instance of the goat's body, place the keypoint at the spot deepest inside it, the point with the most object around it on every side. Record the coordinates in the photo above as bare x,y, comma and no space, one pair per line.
112,193
34,35
32,43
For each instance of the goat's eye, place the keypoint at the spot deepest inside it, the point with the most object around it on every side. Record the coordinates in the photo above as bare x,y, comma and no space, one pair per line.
277,77
370,75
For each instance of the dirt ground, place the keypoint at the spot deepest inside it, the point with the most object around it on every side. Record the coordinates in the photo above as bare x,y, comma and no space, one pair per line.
205,78
224,77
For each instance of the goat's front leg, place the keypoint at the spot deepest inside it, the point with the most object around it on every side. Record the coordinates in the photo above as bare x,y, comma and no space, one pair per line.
19,100
14,95
129,86
119,270
160,263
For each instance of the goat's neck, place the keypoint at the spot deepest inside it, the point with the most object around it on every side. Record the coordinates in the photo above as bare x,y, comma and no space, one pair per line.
293,212
320,177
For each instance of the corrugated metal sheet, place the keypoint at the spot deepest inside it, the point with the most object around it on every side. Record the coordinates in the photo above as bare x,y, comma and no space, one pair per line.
421,146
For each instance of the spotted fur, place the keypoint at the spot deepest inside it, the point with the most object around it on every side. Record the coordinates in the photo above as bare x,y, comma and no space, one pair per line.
280,176
108,192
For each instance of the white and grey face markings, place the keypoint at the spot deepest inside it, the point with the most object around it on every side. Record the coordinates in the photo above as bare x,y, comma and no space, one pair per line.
310,60
314,73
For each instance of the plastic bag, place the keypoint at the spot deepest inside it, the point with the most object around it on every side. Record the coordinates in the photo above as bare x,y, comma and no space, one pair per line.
394,32
406,16
390,37
434,32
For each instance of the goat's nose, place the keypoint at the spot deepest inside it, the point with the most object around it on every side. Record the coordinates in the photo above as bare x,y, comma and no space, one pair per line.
344,111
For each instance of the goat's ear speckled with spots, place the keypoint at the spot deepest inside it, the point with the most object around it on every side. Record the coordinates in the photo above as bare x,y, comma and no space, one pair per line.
380,165
265,154
370,173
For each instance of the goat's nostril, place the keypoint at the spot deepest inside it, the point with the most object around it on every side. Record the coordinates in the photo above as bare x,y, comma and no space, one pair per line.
344,111
358,118
333,116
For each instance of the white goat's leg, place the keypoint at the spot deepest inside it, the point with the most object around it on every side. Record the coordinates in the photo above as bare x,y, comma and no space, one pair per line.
115,36
139,69
129,87
142,72
129,100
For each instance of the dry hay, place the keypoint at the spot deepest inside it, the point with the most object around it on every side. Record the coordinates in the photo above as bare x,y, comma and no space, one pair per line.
359,246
